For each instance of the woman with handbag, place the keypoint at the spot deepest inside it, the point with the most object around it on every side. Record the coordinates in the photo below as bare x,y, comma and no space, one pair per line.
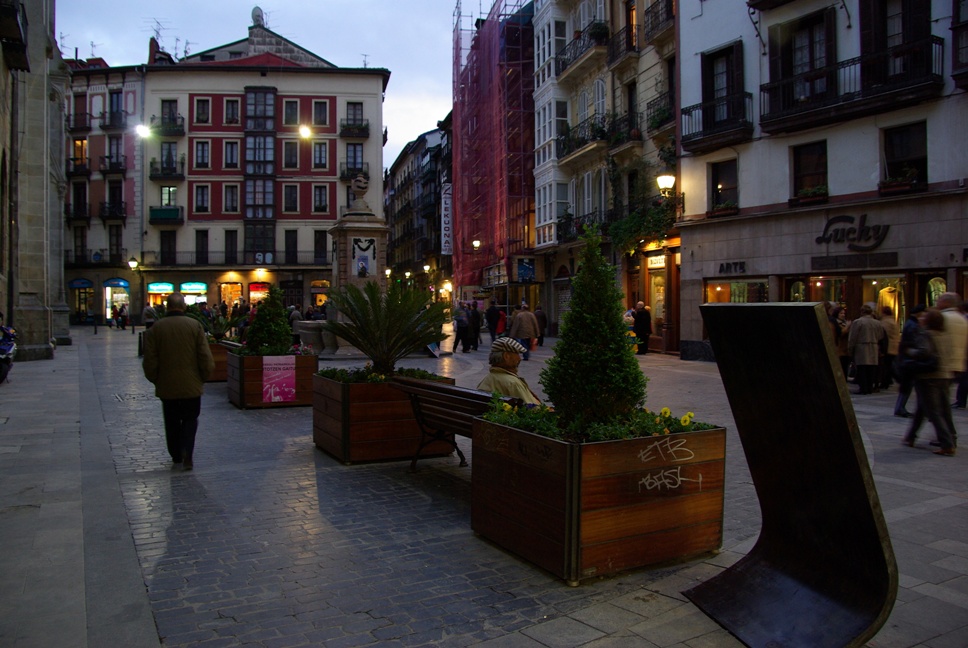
930,382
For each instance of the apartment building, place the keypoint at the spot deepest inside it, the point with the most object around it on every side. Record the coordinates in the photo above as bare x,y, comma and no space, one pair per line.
821,154
216,175
419,226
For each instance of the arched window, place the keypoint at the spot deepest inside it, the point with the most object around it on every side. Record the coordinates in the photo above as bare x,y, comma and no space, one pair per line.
583,106
600,97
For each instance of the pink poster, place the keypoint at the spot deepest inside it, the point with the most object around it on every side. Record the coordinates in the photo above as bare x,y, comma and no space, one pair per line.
278,378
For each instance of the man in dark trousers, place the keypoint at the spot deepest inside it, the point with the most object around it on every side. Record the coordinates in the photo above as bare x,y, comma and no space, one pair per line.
491,317
178,362
642,327
474,325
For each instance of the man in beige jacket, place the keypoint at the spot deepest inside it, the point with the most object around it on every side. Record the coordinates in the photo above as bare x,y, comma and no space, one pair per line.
178,362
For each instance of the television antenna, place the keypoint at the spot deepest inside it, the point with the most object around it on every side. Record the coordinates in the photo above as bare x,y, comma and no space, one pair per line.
93,45
364,59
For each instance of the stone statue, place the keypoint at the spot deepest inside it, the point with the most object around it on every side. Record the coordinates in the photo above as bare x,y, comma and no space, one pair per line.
359,185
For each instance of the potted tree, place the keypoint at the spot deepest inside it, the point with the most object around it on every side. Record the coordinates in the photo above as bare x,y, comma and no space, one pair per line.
599,484
266,370
217,328
357,414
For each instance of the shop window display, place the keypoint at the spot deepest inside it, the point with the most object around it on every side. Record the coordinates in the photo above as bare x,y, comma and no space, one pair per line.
886,292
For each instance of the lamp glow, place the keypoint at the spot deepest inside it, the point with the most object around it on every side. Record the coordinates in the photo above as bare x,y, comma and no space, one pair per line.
133,263
666,182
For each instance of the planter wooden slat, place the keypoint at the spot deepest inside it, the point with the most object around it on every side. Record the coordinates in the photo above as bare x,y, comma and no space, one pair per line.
366,422
220,355
585,510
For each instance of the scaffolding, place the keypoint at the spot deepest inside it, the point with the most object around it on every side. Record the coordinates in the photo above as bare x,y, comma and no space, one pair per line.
493,134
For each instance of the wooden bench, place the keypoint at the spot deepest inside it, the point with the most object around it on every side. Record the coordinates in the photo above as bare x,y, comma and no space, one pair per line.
444,411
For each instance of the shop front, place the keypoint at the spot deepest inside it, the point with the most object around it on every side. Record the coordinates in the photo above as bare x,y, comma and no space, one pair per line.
879,253
81,300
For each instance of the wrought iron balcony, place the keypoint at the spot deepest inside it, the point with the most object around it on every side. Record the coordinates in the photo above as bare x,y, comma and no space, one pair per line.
959,66
79,123
900,76
588,49
78,167
114,164
624,129
624,45
659,113
114,212
13,34
354,128
77,214
763,5
92,257
718,123
114,120
570,228
349,170
592,130
169,215
660,18
168,125
167,169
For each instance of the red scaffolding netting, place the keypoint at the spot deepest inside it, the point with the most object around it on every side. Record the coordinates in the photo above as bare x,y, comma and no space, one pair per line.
493,134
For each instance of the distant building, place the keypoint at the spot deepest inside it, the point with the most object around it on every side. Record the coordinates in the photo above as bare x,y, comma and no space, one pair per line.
33,79
246,163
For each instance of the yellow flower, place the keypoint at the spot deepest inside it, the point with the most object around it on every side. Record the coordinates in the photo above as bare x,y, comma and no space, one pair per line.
658,420
685,420
665,431
665,412
506,407
690,414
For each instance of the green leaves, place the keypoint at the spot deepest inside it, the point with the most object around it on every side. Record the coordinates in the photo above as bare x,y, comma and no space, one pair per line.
269,333
388,326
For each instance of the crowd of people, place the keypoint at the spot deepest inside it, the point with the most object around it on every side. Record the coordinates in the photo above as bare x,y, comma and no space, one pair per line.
927,355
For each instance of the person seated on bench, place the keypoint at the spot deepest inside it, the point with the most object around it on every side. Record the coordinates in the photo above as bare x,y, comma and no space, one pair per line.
503,377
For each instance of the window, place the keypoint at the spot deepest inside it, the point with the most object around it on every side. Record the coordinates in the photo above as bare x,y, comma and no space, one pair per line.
320,113
600,98
354,113
231,198
291,238
722,87
260,110
800,50
290,155
260,154
201,155
320,155
169,112
260,242
583,106
201,198
723,190
231,155
290,112
906,153
893,23
290,198
809,167
231,111
259,198
114,243
231,247
320,198
202,113
115,151
319,247
169,158
168,247
169,196
201,246
354,157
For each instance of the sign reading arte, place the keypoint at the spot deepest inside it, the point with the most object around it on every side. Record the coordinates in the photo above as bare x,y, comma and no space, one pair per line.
856,233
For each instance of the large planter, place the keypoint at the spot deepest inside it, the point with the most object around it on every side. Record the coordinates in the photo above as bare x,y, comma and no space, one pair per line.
251,386
220,355
594,509
367,422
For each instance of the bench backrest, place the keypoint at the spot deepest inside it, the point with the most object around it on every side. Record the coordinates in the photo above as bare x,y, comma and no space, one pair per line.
447,408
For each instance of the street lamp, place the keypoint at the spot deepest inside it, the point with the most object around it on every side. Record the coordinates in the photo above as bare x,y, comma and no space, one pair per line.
666,182
476,244
426,268
133,264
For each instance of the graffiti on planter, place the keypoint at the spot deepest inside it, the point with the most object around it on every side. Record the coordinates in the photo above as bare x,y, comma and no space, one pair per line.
666,450
666,479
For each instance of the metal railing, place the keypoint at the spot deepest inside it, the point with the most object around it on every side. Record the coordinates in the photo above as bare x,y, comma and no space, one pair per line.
592,129
708,118
233,258
596,33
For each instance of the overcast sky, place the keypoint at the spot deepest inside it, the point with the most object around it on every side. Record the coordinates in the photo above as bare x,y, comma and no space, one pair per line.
411,38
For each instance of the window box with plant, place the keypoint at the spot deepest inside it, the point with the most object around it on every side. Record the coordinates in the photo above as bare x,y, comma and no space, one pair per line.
816,195
357,414
726,208
598,484
907,182
267,370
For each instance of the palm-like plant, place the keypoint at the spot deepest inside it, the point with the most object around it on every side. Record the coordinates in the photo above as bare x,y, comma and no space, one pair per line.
386,326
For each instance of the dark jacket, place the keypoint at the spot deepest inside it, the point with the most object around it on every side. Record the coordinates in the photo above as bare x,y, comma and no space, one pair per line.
177,358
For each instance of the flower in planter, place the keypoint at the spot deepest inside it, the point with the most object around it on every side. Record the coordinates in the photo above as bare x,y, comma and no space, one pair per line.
386,326
607,401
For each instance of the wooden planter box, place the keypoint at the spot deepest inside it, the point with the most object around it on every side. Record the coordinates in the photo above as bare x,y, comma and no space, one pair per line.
245,381
220,355
367,422
594,509
806,201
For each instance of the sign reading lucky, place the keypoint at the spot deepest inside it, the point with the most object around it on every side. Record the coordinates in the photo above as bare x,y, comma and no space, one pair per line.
859,238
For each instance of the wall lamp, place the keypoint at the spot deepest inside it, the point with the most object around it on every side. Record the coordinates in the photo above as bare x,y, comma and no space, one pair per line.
666,182
476,244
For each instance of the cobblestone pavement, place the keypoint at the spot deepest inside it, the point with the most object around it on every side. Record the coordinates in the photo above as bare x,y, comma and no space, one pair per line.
270,542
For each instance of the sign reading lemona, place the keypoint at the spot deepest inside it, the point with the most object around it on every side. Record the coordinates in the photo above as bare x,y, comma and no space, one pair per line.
859,237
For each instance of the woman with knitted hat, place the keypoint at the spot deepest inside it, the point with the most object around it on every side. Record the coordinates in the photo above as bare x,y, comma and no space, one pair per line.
503,377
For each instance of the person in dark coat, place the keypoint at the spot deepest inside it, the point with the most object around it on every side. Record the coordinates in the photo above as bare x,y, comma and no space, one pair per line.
905,379
474,321
642,327
491,317
542,324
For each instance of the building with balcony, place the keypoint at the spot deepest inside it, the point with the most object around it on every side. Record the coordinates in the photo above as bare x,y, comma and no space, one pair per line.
604,108
418,251
817,155
33,79
242,166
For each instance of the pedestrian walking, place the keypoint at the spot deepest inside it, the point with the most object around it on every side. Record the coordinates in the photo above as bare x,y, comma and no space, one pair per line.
902,372
474,321
863,344
892,335
149,316
177,361
542,318
956,340
642,327
524,328
840,326
491,317
461,324
123,317
931,382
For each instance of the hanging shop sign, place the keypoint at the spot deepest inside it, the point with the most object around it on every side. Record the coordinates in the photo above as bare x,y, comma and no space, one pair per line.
194,287
161,288
80,283
446,219
258,292
855,232
115,282
655,262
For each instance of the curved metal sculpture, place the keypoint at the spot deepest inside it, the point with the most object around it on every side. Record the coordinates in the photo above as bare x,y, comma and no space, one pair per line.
822,572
